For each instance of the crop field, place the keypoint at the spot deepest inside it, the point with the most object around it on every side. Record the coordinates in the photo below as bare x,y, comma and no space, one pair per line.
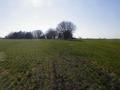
59,65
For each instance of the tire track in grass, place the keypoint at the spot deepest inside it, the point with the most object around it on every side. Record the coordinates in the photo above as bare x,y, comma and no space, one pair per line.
2,59
2,56
54,76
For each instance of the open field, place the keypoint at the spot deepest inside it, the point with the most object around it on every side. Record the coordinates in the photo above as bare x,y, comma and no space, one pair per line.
59,65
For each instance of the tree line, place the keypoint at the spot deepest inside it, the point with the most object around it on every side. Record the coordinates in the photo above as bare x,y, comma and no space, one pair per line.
64,30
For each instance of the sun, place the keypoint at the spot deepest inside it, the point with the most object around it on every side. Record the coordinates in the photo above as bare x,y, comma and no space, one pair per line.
37,3
40,3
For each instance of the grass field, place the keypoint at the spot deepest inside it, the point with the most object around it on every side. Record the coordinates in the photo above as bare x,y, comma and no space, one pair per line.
59,65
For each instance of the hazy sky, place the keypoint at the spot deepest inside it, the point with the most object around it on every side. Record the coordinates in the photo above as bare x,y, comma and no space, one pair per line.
93,18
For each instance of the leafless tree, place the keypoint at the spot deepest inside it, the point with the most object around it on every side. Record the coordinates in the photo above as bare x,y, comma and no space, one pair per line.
65,30
37,34
51,34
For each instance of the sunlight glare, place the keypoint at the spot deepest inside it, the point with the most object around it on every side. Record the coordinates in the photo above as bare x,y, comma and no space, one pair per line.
40,3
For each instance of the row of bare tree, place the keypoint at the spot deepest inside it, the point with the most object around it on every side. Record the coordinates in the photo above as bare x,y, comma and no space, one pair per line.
64,30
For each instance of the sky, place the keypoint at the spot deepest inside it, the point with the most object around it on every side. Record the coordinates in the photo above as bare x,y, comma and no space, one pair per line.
93,18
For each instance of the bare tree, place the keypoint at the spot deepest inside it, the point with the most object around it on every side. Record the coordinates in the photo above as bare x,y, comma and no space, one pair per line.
28,35
65,30
37,34
51,34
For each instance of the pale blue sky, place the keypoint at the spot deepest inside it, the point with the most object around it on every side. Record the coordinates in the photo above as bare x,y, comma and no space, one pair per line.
93,18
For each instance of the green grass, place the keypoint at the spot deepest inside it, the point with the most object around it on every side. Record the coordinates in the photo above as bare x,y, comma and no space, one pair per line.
59,65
